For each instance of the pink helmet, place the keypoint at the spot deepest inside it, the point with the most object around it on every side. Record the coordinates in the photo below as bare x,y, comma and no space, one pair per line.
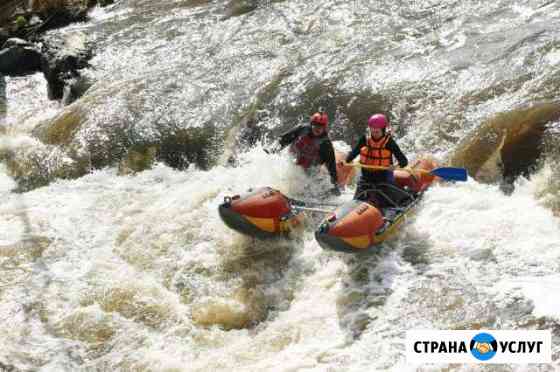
377,121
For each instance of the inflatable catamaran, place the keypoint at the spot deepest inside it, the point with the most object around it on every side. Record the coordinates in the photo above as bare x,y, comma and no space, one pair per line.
354,226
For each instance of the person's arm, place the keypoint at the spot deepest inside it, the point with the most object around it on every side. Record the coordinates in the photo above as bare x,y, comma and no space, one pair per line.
289,136
326,151
395,149
356,150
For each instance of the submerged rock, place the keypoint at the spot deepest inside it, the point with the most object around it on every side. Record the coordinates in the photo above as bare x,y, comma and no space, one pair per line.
245,308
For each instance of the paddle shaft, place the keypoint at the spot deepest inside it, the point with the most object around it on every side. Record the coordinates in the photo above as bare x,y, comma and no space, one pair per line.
374,167
312,203
312,209
447,173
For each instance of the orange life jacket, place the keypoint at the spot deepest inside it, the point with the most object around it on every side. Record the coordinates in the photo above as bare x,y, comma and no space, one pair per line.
375,152
307,150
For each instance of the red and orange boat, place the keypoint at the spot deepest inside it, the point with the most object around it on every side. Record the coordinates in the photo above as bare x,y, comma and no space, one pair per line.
355,226
262,213
266,212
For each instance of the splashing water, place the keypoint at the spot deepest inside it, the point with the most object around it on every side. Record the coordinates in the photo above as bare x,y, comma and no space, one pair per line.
137,272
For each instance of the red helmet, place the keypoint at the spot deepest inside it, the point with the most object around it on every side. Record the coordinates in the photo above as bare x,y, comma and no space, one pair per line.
320,118
377,121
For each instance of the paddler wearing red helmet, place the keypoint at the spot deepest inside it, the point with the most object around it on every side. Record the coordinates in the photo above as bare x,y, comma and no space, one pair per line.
312,146
377,149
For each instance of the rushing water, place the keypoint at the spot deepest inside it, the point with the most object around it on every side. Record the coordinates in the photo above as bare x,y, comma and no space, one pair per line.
137,272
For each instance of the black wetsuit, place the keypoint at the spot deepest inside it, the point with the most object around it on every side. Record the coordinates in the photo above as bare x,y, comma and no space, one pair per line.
371,178
326,150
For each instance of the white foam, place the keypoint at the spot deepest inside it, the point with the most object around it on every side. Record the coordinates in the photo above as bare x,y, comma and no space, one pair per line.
541,290
6,182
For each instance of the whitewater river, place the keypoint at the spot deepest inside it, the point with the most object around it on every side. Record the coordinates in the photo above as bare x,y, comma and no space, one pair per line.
106,270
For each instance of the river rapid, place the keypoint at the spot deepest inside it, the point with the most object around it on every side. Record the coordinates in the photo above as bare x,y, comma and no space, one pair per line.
107,269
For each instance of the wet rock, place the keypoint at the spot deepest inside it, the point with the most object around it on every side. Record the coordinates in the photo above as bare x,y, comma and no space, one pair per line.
59,58
19,57
75,88
90,325
236,8
4,36
63,56
246,131
348,110
33,167
61,130
17,42
7,368
101,3
112,122
137,160
507,145
182,147
56,15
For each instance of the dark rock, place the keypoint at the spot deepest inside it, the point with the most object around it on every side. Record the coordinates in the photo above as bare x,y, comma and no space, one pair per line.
137,159
62,58
61,18
4,36
19,58
74,89
186,146
102,3
7,368
237,8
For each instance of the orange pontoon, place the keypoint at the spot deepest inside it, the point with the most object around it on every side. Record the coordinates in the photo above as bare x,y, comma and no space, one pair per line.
357,226
267,213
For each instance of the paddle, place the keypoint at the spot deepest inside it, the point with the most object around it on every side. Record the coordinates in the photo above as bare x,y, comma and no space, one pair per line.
302,203
447,173
312,209
450,173
305,205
